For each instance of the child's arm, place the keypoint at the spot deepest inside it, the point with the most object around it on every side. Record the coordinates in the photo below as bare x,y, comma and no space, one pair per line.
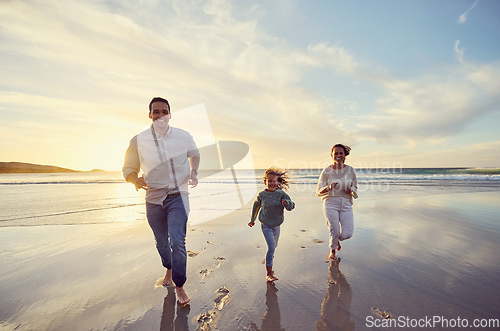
287,202
255,210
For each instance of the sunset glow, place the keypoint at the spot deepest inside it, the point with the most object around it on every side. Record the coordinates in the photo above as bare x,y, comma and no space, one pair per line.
412,83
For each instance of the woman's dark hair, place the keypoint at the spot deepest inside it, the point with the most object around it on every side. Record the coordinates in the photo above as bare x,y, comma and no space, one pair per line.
346,149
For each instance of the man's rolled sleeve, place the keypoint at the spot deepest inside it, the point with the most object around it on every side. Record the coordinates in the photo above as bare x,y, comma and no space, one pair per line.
132,162
192,148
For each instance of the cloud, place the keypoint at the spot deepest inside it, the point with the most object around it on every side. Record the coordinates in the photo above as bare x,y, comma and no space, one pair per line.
459,51
94,62
436,105
333,57
190,45
463,18
100,63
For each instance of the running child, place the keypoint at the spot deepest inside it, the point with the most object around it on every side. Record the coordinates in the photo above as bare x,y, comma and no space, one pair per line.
270,202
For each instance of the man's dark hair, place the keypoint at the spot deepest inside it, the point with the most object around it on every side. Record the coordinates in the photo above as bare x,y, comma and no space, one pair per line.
158,99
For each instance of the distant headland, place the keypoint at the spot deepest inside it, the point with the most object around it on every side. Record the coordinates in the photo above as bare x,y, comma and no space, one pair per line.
21,167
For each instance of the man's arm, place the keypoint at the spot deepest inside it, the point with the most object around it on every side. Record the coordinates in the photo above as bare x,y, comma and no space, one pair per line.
193,177
132,166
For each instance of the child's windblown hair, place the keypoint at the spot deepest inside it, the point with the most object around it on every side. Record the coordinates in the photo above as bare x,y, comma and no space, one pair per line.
284,178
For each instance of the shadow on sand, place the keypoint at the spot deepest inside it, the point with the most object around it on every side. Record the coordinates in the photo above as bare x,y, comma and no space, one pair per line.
271,320
335,309
169,320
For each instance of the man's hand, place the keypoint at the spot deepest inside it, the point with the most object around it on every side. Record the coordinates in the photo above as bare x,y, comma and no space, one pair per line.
140,183
193,180
251,224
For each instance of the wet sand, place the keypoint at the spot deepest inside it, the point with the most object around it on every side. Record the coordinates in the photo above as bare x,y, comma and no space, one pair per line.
416,253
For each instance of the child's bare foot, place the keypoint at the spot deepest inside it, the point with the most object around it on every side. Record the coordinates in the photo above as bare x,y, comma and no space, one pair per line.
182,298
168,278
270,274
271,278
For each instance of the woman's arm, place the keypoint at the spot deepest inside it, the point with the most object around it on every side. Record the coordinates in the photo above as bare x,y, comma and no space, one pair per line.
323,186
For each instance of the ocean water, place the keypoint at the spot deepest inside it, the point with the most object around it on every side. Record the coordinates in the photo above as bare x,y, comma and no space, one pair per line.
104,197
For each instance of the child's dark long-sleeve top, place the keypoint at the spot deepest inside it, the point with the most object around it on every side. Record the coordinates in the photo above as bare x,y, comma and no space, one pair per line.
271,207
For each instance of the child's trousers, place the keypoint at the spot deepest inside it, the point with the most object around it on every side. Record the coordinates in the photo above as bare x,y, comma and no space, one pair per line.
271,234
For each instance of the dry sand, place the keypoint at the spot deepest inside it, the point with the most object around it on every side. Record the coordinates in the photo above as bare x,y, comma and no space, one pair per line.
415,254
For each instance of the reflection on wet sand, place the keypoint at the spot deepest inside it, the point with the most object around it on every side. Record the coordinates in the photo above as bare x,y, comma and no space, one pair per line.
168,319
335,309
271,320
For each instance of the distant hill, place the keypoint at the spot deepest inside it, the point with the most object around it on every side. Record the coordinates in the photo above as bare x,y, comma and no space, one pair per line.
20,167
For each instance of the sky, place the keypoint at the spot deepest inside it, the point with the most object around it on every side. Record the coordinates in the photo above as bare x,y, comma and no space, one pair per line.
403,83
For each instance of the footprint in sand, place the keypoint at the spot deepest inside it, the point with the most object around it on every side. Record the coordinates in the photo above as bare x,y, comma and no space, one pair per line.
204,274
222,297
219,260
318,241
303,230
208,320
191,253
382,313
302,246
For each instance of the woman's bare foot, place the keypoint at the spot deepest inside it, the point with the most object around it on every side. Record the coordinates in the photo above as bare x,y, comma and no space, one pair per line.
168,278
332,255
182,298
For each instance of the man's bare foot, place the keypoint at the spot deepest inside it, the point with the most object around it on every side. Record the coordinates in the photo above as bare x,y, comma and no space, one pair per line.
271,278
168,278
182,298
